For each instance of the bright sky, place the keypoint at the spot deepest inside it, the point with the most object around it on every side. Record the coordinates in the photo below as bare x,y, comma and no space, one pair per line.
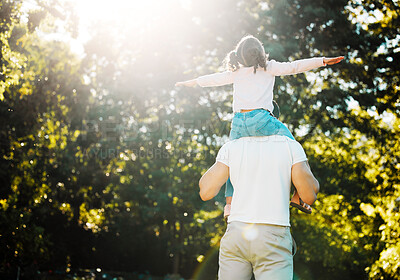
129,13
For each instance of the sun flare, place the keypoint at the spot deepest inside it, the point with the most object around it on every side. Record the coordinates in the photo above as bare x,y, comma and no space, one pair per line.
126,13
126,10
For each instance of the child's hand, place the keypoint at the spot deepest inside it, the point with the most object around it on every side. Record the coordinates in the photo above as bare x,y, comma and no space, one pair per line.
189,83
333,60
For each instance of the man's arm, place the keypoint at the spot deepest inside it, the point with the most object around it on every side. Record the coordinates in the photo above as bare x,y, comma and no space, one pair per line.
304,181
212,181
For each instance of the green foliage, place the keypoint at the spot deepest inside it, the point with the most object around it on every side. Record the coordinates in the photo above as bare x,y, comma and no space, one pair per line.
101,155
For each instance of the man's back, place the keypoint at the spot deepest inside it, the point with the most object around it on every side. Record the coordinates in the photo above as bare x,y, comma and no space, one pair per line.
260,171
258,240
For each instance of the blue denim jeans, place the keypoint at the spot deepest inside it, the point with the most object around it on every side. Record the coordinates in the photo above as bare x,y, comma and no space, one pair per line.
258,122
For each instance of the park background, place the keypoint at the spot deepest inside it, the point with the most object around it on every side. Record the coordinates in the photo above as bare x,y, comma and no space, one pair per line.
101,154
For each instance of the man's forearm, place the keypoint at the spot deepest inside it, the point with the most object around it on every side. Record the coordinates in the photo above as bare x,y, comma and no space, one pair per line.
306,184
212,181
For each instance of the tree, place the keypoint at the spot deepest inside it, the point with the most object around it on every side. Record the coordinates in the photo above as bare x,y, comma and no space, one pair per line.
101,155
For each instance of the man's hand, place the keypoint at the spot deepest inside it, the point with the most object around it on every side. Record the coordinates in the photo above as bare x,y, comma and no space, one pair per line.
189,83
333,60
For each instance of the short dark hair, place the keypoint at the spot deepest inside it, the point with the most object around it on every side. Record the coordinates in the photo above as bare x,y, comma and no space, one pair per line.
249,52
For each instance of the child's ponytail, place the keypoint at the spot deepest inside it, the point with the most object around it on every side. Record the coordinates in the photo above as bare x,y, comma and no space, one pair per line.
231,61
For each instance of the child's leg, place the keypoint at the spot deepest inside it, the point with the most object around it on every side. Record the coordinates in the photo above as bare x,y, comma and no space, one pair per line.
265,125
235,133
228,188
300,204
228,197
227,208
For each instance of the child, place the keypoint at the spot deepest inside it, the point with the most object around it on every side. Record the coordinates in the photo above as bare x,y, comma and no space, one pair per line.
253,78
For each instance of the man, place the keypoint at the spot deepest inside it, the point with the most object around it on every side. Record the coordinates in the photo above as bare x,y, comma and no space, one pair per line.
258,239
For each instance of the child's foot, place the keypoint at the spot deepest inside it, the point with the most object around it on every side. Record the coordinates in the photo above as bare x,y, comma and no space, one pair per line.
300,204
227,211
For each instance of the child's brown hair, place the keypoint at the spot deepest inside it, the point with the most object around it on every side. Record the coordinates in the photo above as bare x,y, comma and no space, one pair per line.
249,52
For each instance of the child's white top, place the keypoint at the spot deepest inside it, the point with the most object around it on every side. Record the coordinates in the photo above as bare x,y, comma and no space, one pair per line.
254,91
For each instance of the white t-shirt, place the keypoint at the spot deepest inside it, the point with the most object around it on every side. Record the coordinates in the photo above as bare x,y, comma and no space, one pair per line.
260,171
253,91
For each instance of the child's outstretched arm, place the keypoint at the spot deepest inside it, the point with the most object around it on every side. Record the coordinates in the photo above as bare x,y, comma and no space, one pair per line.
188,83
300,66
211,80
